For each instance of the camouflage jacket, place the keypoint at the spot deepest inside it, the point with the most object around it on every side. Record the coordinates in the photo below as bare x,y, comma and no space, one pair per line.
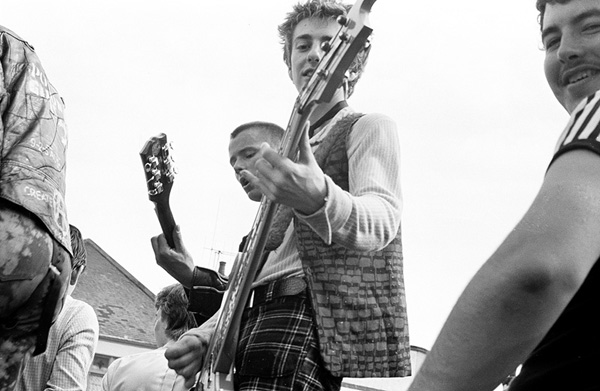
33,137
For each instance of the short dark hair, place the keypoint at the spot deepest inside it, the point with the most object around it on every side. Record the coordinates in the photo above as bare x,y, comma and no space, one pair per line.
541,7
173,303
322,9
274,131
78,247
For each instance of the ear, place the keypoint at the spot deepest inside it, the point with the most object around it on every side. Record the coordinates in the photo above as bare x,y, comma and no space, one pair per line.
290,73
351,75
75,275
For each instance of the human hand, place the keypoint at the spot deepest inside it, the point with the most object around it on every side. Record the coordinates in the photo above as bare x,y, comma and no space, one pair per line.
300,185
176,261
186,355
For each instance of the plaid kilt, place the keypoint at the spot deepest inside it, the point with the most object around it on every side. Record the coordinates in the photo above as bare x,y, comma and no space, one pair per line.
278,348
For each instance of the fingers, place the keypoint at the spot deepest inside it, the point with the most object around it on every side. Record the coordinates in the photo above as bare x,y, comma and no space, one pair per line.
185,357
178,240
159,245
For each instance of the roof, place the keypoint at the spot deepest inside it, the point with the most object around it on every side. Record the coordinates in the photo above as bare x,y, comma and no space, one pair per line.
124,306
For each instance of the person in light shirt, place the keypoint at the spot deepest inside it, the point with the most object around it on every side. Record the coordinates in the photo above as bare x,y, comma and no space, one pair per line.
149,371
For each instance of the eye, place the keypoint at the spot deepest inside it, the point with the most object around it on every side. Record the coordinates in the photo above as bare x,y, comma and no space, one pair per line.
301,46
551,43
591,28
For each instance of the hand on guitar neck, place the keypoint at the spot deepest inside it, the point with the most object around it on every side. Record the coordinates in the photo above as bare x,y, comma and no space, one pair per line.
186,356
176,260
168,247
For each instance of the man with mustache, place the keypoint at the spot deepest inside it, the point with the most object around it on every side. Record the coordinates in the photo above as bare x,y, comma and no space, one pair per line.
535,300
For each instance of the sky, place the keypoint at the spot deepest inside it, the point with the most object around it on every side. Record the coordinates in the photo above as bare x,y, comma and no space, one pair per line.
463,81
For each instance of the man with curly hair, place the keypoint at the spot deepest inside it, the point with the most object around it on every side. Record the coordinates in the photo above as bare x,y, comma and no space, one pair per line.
329,300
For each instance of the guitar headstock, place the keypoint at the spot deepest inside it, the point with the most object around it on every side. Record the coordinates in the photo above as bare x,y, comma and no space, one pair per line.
351,39
159,167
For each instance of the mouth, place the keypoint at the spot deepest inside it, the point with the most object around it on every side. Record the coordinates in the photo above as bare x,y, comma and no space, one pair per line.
244,182
308,72
576,77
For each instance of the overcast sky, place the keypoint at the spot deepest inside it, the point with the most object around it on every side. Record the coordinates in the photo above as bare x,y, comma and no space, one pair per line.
463,80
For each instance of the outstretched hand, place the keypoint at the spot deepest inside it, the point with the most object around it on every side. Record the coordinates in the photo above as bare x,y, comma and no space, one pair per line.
176,261
300,185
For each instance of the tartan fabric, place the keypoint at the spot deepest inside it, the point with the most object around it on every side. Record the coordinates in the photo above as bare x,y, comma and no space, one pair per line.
278,349
359,297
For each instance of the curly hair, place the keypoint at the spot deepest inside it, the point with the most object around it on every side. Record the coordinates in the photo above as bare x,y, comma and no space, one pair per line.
173,304
322,9
541,7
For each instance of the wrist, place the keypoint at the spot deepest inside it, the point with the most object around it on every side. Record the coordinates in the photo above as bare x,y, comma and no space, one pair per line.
318,201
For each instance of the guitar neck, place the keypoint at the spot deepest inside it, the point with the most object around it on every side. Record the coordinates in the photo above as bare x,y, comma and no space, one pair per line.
166,220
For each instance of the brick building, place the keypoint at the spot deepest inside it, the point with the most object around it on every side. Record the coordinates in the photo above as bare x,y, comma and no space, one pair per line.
125,310
124,306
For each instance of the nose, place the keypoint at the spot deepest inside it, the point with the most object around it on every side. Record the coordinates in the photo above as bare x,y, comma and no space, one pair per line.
315,54
237,166
570,48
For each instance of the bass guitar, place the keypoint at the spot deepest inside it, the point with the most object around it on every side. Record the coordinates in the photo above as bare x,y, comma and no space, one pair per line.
341,50
160,173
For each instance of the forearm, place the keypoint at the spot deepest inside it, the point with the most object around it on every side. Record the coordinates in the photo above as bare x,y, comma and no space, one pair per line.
498,320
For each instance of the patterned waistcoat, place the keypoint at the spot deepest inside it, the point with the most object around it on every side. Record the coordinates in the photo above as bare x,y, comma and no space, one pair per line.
358,297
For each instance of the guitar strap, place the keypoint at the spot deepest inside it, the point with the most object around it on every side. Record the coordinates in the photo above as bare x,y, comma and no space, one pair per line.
328,115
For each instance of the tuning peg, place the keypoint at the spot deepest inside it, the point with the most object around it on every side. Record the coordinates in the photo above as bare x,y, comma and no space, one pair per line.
152,164
342,20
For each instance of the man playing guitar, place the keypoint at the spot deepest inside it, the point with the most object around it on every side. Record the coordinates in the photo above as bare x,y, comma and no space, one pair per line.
329,300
